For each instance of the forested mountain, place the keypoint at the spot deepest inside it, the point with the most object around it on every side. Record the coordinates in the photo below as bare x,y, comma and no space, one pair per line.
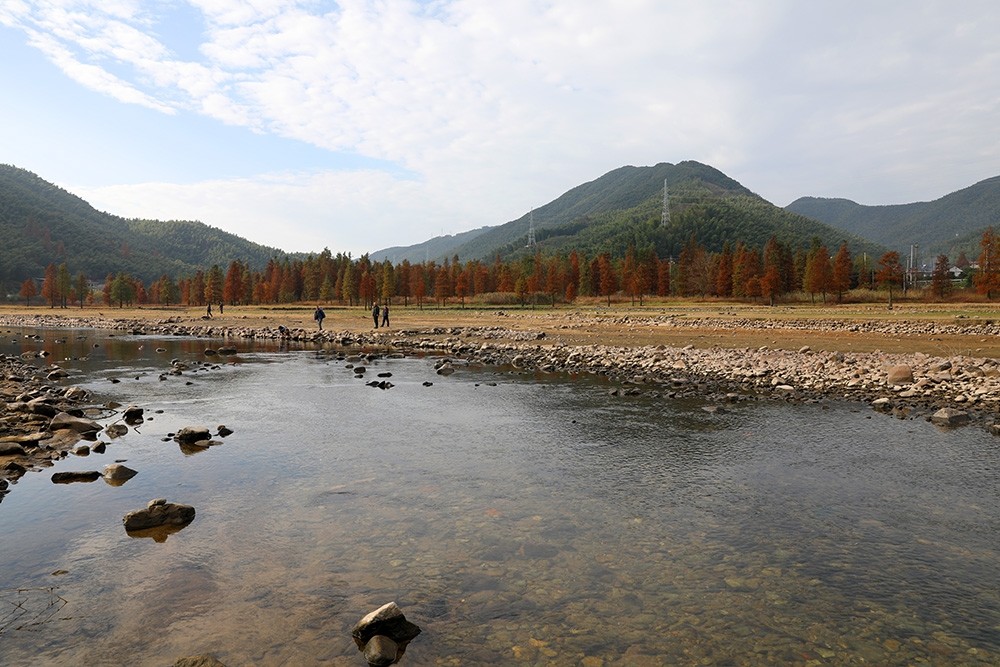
625,207
42,224
947,225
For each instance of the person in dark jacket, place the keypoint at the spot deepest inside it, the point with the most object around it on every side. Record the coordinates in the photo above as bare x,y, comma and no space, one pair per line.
375,312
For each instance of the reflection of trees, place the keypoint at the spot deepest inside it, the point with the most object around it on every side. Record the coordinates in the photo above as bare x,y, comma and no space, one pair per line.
25,608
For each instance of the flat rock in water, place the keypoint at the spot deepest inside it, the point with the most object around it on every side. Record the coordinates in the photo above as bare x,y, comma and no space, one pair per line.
70,477
65,421
159,513
116,472
191,434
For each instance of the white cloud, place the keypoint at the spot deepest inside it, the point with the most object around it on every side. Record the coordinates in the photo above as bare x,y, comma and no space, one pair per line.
497,107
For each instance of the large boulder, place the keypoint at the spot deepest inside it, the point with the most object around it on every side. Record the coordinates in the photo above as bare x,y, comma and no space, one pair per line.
159,513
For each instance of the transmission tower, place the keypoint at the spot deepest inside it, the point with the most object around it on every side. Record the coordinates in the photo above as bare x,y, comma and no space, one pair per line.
665,220
531,229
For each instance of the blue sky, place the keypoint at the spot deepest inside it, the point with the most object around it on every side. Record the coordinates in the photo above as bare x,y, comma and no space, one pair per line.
363,124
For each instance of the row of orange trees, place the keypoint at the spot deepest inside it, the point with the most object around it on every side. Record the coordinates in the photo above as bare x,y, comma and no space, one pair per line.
734,272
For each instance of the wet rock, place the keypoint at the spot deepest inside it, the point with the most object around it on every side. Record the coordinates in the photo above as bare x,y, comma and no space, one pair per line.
190,435
158,513
116,472
70,477
116,430
224,431
75,394
950,417
381,650
132,414
11,449
227,351
393,633
65,421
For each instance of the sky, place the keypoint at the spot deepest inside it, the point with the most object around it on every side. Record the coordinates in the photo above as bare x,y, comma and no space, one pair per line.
365,124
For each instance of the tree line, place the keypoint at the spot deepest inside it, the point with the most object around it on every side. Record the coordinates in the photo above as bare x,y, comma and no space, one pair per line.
737,271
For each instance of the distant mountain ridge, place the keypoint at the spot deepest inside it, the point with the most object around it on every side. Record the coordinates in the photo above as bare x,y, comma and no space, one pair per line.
624,207
41,223
947,225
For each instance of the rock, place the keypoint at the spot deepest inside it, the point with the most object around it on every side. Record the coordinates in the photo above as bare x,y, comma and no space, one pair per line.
70,477
204,660
57,374
11,449
115,430
190,435
132,414
381,650
950,417
901,374
78,424
116,472
228,351
75,394
387,623
882,404
158,513
224,431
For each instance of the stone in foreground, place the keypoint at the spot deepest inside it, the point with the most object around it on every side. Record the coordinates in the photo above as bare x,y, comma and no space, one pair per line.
383,635
159,513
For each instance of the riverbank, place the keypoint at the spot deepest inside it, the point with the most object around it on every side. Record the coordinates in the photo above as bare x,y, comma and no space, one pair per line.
910,363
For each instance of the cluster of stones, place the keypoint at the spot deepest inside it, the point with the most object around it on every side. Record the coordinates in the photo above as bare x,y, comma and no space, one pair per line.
40,422
970,384
905,385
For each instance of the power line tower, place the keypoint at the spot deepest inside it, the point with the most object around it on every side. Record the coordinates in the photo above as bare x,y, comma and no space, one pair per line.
531,229
665,218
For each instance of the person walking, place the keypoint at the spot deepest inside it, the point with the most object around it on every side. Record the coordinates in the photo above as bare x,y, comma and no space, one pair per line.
385,315
375,312
319,315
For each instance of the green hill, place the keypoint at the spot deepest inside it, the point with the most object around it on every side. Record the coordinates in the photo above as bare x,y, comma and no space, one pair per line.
947,225
625,206
42,224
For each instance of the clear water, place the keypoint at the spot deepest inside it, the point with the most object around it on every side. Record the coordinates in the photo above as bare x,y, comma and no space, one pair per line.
516,519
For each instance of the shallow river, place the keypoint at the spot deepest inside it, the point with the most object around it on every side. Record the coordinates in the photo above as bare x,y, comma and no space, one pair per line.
515,519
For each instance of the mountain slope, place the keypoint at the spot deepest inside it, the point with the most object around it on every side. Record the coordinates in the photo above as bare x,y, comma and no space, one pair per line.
42,224
624,207
944,225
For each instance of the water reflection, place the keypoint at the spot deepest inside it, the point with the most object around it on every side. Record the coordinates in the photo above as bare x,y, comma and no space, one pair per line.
516,521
